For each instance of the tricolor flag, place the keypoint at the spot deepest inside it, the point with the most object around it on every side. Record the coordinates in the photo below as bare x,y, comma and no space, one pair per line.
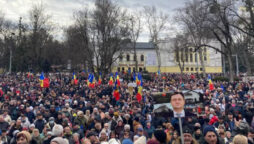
99,80
138,80
116,92
44,82
117,79
74,79
139,94
90,81
111,81
211,86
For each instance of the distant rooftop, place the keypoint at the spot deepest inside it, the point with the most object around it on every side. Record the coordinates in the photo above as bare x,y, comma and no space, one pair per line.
141,45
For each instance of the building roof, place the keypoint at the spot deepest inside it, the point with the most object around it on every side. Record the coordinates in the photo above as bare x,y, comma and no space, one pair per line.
141,45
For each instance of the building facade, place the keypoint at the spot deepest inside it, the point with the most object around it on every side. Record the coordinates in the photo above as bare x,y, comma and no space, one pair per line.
147,59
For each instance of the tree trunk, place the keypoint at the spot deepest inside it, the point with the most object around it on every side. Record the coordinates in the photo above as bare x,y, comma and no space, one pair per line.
231,71
158,57
135,55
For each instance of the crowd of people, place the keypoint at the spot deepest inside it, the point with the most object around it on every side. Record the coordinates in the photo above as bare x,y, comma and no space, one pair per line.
68,113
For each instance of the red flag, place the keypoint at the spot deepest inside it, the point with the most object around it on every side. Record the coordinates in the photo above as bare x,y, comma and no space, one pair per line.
75,81
46,82
116,95
139,97
211,87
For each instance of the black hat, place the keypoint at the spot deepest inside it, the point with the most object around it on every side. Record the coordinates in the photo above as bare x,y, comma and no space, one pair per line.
187,130
160,135
91,134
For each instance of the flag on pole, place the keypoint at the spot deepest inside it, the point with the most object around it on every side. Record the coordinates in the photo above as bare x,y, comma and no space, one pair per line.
138,80
117,79
44,82
90,81
116,92
99,80
74,79
140,89
211,86
111,80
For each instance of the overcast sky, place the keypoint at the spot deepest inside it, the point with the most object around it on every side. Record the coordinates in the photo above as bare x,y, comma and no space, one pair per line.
61,11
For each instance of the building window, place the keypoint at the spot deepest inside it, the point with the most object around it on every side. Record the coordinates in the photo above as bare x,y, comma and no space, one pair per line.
118,69
140,69
196,57
142,57
187,69
128,57
205,58
121,58
201,69
192,69
122,68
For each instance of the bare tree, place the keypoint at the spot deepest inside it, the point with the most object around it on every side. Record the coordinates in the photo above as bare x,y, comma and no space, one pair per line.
109,33
193,19
180,44
135,30
156,23
39,22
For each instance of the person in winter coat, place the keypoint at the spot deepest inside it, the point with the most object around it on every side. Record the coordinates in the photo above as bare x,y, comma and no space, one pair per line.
80,119
36,136
40,122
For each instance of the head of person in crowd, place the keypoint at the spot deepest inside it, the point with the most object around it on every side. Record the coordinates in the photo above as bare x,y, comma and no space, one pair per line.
160,136
92,136
76,137
210,135
57,130
59,140
240,139
23,137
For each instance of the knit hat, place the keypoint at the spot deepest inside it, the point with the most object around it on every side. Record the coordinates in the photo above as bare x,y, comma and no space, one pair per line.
127,141
209,128
26,134
141,140
60,140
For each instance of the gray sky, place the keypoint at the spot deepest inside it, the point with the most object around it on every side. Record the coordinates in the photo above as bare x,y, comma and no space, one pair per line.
61,11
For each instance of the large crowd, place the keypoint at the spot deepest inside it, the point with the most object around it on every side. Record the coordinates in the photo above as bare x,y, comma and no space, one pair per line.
68,113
